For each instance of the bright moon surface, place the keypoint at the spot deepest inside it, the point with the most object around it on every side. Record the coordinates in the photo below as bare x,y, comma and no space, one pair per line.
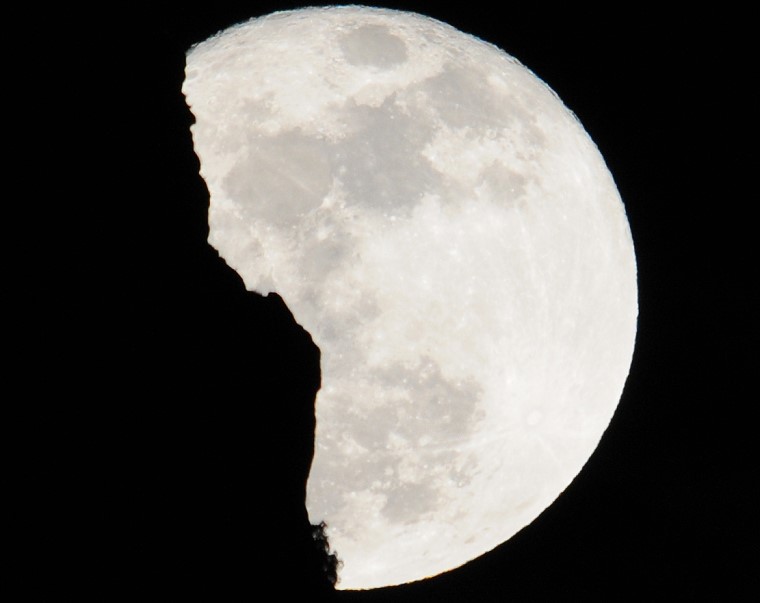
449,235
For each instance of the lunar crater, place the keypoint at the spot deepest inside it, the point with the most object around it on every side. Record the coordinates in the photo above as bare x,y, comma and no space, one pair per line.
373,46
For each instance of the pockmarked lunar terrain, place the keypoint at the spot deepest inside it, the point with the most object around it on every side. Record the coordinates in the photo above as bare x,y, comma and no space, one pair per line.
449,235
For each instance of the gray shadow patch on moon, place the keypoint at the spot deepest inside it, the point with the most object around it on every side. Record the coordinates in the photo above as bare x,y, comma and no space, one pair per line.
410,500
291,168
373,46
504,184
325,256
381,162
437,407
380,167
463,98
412,456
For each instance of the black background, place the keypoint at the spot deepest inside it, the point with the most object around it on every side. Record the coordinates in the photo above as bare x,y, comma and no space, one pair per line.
173,403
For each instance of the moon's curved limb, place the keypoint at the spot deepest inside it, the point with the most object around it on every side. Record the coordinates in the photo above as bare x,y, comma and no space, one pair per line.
453,241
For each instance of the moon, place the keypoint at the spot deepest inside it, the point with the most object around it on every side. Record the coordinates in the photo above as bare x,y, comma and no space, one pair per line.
449,235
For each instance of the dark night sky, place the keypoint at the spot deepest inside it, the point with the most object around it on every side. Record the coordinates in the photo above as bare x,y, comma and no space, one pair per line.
188,387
